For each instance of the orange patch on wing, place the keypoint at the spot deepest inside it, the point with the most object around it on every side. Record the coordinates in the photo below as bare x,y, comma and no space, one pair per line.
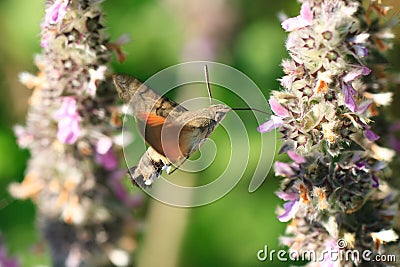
151,119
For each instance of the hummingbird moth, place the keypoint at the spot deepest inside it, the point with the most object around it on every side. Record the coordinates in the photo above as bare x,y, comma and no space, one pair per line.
172,132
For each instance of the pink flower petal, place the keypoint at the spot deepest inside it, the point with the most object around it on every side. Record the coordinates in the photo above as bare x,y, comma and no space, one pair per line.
291,209
363,107
351,76
296,158
361,51
349,94
287,196
108,160
5,260
68,130
105,154
277,108
273,123
56,12
68,108
283,169
304,19
370,135
103,145
116,183
68,121
306,13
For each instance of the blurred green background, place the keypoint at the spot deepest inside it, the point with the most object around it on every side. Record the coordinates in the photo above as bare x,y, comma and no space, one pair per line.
228,232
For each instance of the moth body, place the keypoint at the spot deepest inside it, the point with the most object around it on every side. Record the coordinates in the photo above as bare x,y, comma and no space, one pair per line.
172,132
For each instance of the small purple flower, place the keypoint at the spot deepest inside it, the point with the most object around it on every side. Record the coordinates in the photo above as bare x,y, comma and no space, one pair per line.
108,160
68,121
360,50
56,12
364,106
68,130
296,157
273,123
291,206
352,75
5,260
105,155
277,108
116,183
349,93
370,135
360,165
304,19
347,88
375,181
283,169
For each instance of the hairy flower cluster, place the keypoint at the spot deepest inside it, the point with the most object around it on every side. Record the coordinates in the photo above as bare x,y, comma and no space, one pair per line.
334,187
73,134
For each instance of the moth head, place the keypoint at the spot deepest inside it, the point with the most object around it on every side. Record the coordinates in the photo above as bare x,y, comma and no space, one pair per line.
125,85
218,112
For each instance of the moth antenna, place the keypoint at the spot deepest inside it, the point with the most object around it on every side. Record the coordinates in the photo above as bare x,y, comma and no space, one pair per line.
255,109
208,83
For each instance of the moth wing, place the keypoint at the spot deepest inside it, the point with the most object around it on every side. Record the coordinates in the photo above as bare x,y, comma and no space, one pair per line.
162,135
189,139
184,135
176,138
143,98
150,127
195,128
151,119
199,125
